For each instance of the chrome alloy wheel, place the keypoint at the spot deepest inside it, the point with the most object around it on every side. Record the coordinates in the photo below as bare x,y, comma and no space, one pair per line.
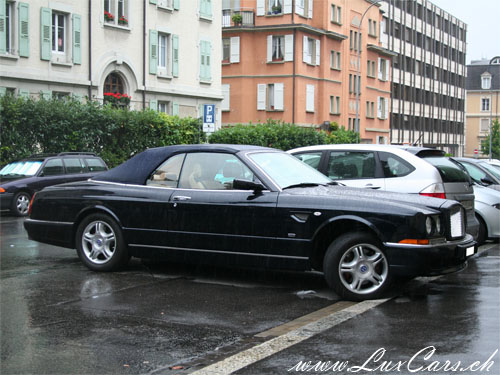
98,242
363,268
22,204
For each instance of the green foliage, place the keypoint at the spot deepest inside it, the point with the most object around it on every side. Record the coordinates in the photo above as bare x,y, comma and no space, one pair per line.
495,141
28,126
281,135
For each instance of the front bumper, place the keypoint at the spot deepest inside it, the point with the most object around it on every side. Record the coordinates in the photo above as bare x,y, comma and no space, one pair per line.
430,260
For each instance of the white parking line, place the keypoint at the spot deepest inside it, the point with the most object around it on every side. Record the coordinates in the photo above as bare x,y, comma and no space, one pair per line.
277,344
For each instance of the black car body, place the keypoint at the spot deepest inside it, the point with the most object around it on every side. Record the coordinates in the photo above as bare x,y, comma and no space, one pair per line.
251,206
19,180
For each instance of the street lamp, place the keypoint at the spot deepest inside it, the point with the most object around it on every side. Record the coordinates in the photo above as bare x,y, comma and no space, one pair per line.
358,78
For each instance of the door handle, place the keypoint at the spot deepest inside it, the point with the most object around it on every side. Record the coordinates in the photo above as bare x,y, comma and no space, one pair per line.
181,198
371,186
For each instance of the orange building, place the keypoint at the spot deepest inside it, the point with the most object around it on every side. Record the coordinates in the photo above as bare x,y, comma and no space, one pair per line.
297,61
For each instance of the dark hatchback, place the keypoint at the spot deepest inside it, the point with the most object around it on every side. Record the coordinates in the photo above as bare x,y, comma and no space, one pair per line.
20,179
251,206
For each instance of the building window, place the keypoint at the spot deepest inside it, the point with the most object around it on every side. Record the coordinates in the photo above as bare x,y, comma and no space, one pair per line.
205,57
485,104
486,82
114,84
270,97
371,68
336,14
372,27
382,108
116,12
58,32
354,84
231,50
226,49
309,98
335,60
311,51
164,55
484,125
8,28
335,105
275,6
370,109
206,9
164,107
278,48
383,69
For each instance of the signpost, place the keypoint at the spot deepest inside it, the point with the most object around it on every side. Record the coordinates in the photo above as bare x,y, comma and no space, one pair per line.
209,118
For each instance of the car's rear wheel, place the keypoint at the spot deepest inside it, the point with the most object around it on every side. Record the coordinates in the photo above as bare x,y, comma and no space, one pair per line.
483,231
21,203
100,244
356,267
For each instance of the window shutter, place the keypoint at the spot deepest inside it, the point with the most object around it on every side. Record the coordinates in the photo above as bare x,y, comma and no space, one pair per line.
177,5
310,98
235,50
208,70
386,113
287,7
278,96
269,48
23,93
153,51
175,109
299,8
379,68
3,27
379,107
24,38
261,8
386,70
310,9
261,96
318,52
175,55
226,101
305,50
206,8
152,2
77,47
3,90
46,94
153,104
45,33
289,47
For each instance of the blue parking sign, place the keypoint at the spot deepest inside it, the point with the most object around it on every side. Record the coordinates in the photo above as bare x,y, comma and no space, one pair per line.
209,114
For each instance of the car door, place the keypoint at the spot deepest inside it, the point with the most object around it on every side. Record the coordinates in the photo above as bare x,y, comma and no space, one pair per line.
76,170
51,173
207,213
355,168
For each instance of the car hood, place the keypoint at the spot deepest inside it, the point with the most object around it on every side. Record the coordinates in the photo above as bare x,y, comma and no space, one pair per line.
6,178
371,198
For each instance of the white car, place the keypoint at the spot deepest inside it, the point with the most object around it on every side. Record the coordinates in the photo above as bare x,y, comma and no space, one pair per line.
487,207
421,171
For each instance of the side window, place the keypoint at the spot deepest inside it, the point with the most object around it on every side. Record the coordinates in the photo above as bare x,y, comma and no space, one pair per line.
95,165
74,166
168,173
475,173
310,158
212,171
53,167
351,165
394,166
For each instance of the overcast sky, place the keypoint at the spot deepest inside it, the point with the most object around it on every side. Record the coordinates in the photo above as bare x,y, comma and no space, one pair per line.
483,25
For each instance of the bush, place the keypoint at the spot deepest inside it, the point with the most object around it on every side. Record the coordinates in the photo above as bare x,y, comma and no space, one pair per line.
50,126
281,135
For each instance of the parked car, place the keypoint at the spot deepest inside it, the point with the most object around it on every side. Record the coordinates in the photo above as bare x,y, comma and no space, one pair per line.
383,167
481,172
487,208
251,206
20,179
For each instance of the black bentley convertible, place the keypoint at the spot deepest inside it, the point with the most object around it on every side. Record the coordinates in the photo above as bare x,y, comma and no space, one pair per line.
251,206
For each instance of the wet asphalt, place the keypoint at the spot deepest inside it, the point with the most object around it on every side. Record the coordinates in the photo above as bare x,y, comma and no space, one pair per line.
58,317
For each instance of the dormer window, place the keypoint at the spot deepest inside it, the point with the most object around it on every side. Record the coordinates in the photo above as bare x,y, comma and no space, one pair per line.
486,81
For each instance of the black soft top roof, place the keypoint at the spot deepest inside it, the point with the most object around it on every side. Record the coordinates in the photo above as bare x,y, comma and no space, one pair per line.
137,169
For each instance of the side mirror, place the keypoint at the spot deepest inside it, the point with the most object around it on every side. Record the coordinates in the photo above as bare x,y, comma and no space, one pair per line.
487,181
247,185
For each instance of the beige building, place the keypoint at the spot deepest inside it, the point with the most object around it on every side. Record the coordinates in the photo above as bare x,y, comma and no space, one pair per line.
165,54
482,103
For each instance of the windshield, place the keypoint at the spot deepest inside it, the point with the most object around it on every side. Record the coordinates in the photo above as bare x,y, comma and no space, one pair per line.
449,170
286,170
22,168
490,168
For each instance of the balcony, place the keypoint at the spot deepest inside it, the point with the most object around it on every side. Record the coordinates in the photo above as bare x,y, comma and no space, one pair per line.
247,17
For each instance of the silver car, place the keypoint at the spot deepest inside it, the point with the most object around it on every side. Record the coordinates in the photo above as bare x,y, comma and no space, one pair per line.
481,172
414,170
487,207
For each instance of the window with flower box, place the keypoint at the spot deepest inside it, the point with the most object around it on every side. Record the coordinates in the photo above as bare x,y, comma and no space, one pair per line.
116,12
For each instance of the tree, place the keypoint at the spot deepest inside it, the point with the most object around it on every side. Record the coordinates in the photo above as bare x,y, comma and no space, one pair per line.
495,141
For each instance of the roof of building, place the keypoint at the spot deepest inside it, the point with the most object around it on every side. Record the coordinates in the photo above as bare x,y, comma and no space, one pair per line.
477,68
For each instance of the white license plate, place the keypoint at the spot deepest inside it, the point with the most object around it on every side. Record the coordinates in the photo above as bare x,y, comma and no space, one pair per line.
469,251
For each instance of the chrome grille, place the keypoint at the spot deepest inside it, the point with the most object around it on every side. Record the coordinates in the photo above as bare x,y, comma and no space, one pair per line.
457,225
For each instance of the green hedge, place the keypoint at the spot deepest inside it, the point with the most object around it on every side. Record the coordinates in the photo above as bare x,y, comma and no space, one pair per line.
33,126
282,135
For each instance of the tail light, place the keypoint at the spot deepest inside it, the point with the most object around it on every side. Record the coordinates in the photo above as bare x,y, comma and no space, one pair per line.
31,204
435,191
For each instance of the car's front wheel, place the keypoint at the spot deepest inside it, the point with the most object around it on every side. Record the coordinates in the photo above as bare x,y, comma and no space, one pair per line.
100,244
356,267
21,203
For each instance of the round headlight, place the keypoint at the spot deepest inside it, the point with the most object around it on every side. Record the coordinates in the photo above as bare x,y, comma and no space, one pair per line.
428,225
438,224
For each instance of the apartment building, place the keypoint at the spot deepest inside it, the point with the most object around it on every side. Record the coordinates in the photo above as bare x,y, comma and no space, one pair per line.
428,75
306,62
482,103
160,52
